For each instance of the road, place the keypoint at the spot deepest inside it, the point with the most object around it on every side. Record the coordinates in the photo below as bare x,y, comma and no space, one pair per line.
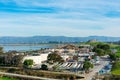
39,78
26,76
97,68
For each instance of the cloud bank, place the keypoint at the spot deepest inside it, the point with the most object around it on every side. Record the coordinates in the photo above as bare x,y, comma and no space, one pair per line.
59,17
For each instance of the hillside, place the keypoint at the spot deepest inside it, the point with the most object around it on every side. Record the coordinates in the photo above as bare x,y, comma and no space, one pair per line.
53,39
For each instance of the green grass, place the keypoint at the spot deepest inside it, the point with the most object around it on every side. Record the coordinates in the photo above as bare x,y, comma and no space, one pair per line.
114,45
116,68
118,54
117,47
6,78
116,72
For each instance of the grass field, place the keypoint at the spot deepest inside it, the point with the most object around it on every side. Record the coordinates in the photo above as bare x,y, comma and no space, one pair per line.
116,68
116,72
117,47
6,78
118,54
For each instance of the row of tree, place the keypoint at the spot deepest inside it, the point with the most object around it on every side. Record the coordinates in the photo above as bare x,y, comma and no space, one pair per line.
102,49
11,60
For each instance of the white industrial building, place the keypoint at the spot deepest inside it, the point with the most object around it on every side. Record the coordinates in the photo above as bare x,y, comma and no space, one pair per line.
37,59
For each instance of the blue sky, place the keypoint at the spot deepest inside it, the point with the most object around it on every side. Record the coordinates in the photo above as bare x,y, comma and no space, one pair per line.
59,17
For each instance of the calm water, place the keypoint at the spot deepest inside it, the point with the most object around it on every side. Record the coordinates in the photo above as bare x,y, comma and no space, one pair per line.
25,47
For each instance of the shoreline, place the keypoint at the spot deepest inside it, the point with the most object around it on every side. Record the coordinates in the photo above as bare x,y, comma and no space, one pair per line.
41,44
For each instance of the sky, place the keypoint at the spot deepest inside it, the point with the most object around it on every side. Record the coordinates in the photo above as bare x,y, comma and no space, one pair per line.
74,18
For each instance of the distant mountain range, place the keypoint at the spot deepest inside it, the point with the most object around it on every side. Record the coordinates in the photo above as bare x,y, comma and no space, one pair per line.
54,39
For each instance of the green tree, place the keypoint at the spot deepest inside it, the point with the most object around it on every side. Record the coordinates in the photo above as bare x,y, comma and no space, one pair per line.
102,49
107,51
2,60
28,63
113,57
103,46
99,52
44,67
87,65
54,58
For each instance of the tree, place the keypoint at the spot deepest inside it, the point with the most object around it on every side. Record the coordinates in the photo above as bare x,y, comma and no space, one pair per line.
106,47
1,50
116,66
108,51
17,60
102,49
44,67
54,58
1,60
28,63
103,46
8,58
99,52
87,65
75,58
11,59
113,57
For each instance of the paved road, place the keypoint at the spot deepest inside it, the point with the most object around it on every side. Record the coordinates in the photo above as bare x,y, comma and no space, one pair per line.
96,69
35,77
26,76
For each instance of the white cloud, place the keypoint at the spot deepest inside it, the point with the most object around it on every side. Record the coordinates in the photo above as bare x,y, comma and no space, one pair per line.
69,18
